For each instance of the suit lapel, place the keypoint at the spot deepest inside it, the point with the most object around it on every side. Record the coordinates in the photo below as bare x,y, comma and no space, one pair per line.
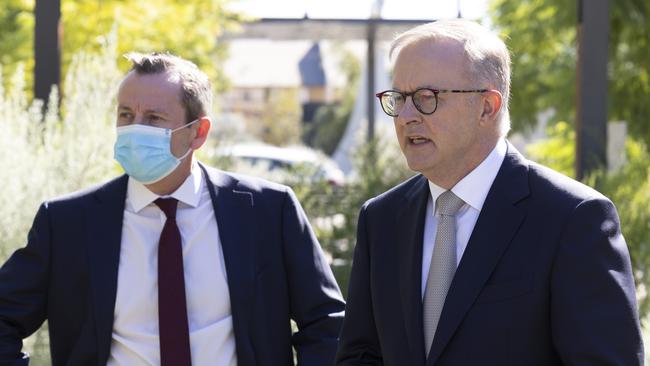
411,216
497,224
233,209
104,232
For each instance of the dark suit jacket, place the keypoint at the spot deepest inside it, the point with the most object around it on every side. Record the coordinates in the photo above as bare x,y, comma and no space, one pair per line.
67,274
545,279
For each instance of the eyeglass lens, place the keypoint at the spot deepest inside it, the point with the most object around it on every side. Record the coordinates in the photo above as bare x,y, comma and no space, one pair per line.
425,101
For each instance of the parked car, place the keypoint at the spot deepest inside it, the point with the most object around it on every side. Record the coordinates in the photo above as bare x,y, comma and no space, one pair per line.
293,158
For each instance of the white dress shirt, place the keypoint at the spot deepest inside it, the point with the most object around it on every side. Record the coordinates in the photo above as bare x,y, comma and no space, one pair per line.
135,339
472,189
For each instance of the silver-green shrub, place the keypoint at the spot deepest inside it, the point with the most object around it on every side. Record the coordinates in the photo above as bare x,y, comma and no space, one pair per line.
44,155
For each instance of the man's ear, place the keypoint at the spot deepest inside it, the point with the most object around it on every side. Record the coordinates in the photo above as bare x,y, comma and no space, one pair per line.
491,103
202,132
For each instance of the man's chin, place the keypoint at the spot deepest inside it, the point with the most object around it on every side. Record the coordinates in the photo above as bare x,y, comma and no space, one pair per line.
419,166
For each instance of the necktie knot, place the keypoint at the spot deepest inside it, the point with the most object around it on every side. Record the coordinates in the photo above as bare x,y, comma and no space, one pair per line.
448,204
168,206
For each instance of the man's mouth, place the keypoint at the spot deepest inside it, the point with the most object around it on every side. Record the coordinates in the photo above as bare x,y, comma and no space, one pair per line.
418,140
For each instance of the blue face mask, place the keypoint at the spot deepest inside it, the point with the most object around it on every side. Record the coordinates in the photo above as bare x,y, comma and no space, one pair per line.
145,152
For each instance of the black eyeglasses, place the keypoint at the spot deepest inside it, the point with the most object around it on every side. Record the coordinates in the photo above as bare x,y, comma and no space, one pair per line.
424,99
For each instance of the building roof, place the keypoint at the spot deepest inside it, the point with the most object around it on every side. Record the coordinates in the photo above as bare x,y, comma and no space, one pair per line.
311,67
260,63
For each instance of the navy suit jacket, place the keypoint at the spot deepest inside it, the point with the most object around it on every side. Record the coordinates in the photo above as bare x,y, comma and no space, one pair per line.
545,279
67,274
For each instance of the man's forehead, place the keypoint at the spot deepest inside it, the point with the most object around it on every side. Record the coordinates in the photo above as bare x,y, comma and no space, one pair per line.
159,85
165,77
433,50
150,93
430,62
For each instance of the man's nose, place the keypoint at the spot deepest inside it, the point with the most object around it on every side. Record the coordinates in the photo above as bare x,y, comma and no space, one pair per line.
409,113
139,119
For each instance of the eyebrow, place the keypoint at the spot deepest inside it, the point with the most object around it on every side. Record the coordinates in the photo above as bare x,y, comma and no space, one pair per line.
148,111
419,87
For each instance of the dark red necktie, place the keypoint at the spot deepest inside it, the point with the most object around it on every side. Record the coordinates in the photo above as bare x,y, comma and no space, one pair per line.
172,309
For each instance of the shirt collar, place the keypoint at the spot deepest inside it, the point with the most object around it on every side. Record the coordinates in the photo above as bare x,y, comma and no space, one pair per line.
474,187
189,192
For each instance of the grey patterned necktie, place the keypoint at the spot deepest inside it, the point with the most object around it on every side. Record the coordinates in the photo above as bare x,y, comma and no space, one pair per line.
443,264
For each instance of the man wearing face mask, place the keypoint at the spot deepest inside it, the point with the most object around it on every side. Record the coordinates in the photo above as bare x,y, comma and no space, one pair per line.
174,263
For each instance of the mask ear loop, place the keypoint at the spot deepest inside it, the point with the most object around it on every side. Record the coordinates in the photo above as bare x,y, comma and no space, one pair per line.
180,128
185,125
185,155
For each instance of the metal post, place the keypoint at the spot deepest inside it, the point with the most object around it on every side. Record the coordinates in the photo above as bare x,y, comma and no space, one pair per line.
47,47
591,109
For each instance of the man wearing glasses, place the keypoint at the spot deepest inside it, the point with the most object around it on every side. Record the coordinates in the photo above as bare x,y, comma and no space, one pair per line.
484,258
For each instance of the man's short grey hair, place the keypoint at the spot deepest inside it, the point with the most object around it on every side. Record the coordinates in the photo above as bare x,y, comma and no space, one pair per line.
487,55
196,92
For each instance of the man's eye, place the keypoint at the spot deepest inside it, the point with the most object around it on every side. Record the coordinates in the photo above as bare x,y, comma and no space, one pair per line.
124,115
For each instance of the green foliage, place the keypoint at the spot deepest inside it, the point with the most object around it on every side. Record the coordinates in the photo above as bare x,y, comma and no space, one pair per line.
188,28
16,36
629,73
558,151
44,156
542,37
280,124
325,132
379,166
330,121
628,188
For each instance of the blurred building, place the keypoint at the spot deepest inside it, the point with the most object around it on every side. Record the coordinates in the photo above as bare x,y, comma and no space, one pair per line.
258,68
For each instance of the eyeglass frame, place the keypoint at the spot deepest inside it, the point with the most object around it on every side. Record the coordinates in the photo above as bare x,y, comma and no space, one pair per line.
435,94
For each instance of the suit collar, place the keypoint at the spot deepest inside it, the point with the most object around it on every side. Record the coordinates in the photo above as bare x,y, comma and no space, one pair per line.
138,196
474,187
497,224
515,167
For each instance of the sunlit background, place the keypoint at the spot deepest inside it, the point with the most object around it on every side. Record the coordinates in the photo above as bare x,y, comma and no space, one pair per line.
392,9
294,107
